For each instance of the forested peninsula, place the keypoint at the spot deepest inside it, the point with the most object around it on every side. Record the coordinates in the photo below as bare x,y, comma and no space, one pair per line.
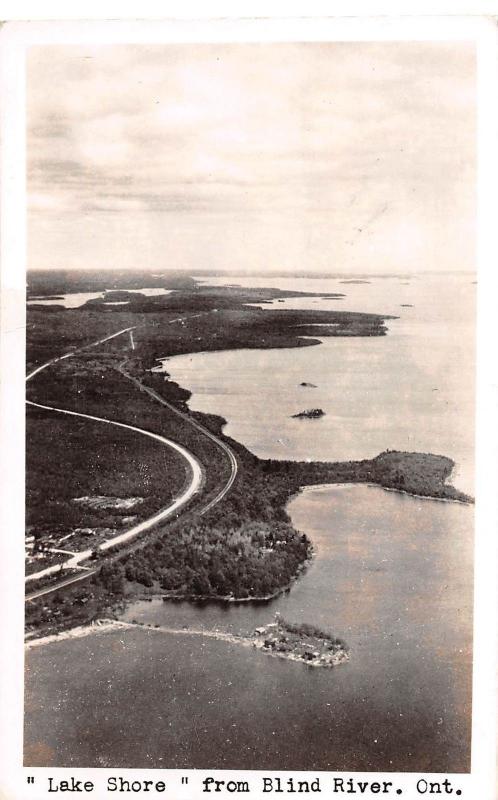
242,548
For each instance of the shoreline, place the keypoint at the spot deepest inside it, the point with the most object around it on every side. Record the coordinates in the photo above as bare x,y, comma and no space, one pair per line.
255,641
326,485
192,598
105,624
113,603
350,484
421,475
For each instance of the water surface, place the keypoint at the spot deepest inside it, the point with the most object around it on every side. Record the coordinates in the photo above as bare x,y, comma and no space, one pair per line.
391,575
78,299
410,390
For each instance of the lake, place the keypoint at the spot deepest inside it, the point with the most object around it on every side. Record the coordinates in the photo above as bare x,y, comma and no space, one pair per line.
392,574
410,390
78,299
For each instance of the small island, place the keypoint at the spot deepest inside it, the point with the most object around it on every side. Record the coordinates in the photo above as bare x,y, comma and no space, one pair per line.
310,413
301,642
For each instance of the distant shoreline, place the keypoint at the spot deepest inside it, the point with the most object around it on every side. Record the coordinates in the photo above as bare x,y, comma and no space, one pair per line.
256,554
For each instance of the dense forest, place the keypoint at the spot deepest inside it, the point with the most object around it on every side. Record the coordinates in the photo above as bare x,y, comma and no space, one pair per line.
83,494
254,559
245,546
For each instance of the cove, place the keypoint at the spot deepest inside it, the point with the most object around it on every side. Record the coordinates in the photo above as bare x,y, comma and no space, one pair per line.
391,575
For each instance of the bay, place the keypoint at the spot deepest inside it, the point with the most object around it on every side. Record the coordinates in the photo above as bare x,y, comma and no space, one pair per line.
412,389
391,575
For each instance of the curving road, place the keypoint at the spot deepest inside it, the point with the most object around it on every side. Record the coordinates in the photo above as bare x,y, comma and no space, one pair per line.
179,502
78,349
205,431
160,516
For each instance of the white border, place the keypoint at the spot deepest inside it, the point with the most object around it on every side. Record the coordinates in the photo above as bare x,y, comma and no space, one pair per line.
14,40
57,10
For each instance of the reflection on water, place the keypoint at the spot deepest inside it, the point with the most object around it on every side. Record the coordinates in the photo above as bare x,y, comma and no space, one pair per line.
392,575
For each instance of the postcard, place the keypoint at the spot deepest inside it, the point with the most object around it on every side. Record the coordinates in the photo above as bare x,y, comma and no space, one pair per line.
250,540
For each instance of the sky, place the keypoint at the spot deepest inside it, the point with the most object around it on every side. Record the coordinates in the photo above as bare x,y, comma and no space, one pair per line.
333,157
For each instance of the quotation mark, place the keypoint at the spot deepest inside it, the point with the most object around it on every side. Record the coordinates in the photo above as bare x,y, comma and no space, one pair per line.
30,779
184,779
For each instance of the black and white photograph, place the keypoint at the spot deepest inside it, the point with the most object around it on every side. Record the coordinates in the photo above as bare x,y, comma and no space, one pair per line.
250,383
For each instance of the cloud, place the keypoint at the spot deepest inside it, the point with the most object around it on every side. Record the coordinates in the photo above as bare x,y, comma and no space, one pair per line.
291,133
